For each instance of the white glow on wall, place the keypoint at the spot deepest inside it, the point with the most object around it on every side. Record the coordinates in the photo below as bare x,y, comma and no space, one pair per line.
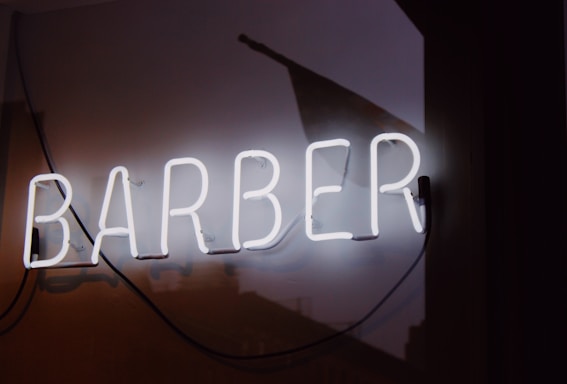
398,187
310,193
47,219
127,231
186,211
232,99
263,193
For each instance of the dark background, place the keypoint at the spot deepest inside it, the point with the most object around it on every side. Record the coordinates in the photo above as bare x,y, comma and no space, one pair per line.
496,71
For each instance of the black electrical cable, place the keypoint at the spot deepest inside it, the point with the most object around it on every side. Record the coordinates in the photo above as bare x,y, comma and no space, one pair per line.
17,296
204,348
21,314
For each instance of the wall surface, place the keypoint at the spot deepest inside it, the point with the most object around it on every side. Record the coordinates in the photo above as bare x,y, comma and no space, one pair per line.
137,83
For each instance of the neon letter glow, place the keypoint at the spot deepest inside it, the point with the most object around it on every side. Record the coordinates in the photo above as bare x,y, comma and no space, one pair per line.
116,231
263,193
309,193
47,219
312,193
400,186
187,211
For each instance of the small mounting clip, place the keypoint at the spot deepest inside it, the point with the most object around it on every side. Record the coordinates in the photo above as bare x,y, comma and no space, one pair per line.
208,237
42,185
261,161
138,183
77,247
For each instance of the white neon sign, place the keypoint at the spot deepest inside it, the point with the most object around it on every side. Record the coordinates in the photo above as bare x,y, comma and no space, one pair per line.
187,211
310,194
127,231
267,193
55,217
263,193
398,187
